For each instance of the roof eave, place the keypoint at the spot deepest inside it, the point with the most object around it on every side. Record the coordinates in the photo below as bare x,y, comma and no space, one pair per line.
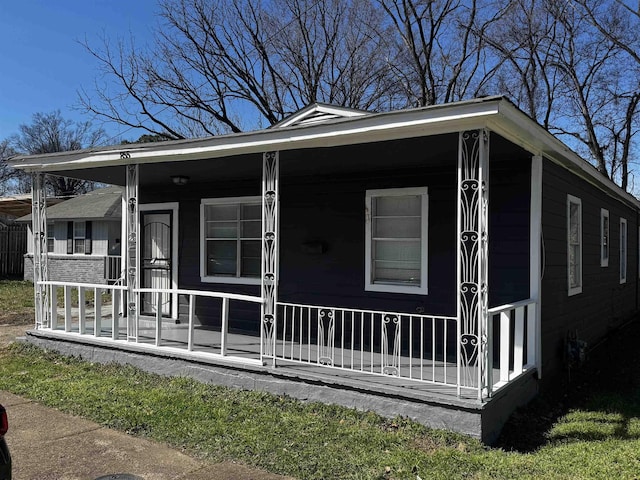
518,128
376,127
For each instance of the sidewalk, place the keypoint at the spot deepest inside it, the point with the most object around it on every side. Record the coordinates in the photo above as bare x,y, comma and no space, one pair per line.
49,445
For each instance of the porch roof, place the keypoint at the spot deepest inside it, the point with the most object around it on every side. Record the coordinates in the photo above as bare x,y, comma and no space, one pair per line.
496,113
100,204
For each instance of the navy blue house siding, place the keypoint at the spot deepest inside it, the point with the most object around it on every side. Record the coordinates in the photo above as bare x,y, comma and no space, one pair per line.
604,303
322,201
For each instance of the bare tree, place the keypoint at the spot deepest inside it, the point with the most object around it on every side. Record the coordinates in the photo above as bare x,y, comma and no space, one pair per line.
217,66
571,78
522,40
618,22
50,133
8,176
442,51
216,63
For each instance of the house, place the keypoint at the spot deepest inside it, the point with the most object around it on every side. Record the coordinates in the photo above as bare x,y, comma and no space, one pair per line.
444,263
13,235
82,238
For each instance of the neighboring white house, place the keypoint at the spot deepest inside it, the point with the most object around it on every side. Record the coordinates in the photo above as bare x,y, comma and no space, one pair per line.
83,238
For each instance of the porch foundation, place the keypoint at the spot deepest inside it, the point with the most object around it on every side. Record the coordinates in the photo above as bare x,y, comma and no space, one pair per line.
427,406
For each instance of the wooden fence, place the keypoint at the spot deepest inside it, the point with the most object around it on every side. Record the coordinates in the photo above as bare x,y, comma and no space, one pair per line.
13,246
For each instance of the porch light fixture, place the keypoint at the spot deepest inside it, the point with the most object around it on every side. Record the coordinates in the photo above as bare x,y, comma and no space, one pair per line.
179,179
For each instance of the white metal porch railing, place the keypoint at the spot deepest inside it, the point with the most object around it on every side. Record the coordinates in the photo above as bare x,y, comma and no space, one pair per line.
96,310
87,306
113,272
192,295
413,347
512,331
410,346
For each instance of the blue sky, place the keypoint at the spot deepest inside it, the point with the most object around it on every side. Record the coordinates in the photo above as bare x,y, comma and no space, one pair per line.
42,65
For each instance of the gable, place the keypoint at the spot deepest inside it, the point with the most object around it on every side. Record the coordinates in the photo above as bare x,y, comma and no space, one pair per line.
318,113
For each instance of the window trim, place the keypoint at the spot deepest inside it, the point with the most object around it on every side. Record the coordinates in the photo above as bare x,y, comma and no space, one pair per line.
604,260
624,245
83,238
369,285
203,267
51,236
577,289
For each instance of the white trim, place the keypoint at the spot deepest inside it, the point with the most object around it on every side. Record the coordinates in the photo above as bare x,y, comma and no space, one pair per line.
369,285
535,267
174,207
332,111
398,124
604,260
223,279
230,280
624,245
577,289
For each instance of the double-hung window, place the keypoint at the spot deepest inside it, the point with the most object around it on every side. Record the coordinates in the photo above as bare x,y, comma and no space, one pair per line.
79,236
574,244
604,237
231,248
623,250
51,238
396,240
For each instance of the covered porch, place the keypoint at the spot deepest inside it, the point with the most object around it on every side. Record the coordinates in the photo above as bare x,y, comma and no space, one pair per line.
449,332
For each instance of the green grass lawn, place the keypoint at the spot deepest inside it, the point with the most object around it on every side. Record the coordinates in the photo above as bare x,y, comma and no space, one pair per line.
311,440
16,299
598,437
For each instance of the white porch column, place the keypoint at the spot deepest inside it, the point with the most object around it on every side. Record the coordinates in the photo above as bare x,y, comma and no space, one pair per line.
130,246
534,329
270,224
40,252
473,196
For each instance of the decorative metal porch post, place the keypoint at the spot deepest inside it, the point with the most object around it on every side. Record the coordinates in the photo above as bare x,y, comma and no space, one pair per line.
40,251
270,223
131,250
473,197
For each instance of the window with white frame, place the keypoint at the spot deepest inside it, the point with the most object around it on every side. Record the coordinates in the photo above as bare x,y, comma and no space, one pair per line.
50,237
623,250
231,248
396,240
604,237
79,236
574,244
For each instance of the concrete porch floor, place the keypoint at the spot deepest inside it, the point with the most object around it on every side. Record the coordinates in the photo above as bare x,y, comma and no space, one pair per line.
435,405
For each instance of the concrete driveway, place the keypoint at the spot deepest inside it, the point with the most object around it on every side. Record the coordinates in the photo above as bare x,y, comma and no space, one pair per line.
49,445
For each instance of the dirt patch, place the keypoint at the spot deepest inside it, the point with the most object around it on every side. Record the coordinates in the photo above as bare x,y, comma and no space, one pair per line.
9,333
11,318
14,325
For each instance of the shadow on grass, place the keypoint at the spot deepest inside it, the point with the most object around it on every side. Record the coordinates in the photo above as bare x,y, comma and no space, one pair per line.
601,402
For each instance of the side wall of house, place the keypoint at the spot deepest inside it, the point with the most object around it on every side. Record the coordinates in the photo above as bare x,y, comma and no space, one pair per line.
102,236
605,303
